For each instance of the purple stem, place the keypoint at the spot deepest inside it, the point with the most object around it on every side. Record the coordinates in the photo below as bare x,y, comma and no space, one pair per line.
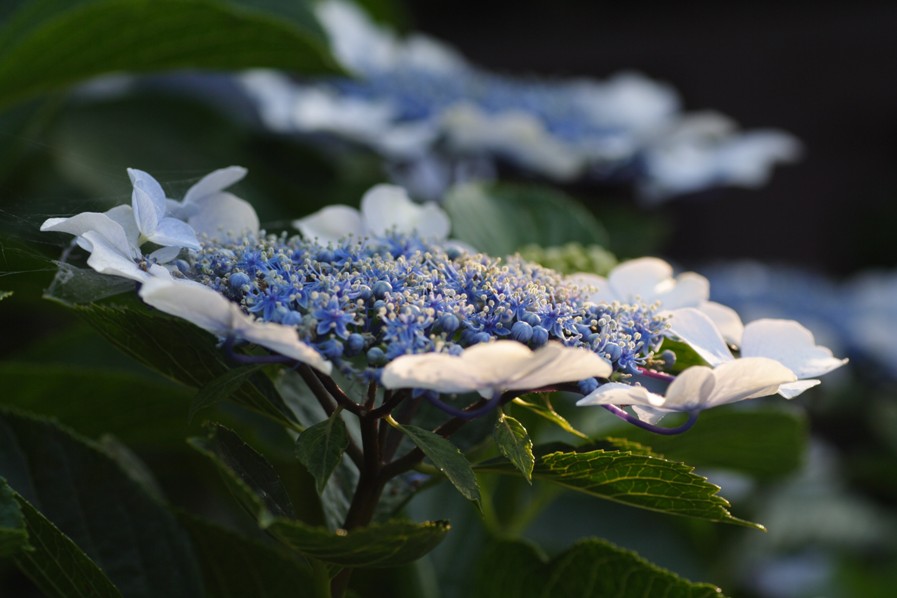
692,418
656,375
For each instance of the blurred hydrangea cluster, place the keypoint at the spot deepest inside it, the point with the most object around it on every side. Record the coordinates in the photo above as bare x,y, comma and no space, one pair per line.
438,119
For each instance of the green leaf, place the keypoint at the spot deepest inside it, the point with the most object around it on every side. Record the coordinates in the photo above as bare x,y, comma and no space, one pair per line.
515,444
763,443
5,295
499,219
50,44
320,448
387,544
546,411
180,351
254,481
378,545
591,567
57,565
447,458
222,388
13,535
133,538
235,567
140,409
635,479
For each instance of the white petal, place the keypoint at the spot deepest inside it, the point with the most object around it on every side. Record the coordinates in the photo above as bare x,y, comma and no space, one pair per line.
793,389
224,213
692,389
97,222
639,278
387,207
616,393
211,311
163,255
106,258
687,290
124,215
497,366
556,363
145,181
698,331
747,378
789,343
172,232
726,319
331,223
214,182
145,211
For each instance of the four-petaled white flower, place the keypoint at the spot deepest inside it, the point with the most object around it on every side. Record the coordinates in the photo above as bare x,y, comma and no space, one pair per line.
650,280
491,368
697,388
784,341
212,312
384,208
114,238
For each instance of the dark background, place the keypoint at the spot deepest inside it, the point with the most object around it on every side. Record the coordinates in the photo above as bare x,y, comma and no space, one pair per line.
827,73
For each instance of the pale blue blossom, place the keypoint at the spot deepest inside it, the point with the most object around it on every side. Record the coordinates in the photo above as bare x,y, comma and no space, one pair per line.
416,101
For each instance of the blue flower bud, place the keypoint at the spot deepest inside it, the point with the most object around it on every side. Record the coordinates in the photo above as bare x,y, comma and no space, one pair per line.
237,280
521,332
668,358
331,349
448,323
530,318
614,351
587,386
354,344
293,318
540,336
381,287
376,356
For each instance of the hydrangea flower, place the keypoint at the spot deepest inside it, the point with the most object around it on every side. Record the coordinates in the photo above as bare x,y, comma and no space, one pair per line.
416,102
401,310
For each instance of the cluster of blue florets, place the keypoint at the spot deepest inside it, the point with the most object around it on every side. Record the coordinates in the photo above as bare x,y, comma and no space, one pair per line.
362,303
418,95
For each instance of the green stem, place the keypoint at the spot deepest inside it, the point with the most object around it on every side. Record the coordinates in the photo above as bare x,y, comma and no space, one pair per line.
321,579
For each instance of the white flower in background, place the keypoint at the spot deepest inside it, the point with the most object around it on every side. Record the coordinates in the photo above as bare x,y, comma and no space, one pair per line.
650,280
697,388
212,312
495,367
706,150
785,341
383,208
415,98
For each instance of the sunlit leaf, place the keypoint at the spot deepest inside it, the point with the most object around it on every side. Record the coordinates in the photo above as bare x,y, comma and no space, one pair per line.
515,444
447,458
